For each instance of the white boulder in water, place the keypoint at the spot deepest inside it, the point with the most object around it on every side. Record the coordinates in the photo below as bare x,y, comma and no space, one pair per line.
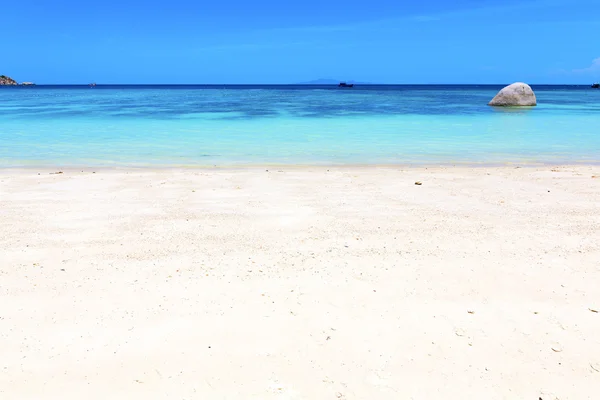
517,94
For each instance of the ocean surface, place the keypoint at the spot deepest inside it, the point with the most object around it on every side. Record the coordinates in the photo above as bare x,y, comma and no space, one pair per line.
202,125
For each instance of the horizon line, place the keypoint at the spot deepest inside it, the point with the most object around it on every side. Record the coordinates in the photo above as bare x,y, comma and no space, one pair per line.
288,84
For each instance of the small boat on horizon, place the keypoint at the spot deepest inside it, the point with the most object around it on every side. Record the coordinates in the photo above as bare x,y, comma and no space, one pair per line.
346,85
93,84
596,85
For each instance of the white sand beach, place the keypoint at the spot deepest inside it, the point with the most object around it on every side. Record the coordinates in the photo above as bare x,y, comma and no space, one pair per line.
300,283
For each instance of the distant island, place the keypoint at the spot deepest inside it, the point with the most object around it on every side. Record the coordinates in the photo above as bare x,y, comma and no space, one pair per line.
5,80
331,82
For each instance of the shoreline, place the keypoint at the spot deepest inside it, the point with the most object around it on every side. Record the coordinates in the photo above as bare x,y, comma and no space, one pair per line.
263,166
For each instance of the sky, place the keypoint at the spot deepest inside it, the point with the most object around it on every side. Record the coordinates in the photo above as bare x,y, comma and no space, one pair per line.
279,41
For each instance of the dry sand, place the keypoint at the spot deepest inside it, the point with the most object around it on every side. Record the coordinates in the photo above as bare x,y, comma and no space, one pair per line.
300,283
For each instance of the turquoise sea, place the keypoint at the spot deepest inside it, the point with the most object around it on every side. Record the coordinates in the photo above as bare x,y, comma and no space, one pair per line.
238,125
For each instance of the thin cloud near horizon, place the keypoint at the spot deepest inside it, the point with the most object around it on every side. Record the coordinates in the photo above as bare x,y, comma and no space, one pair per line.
595,67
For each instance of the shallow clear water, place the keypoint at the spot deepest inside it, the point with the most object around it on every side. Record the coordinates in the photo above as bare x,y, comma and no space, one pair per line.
230,125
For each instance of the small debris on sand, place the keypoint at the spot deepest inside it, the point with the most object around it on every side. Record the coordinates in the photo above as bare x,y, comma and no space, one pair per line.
556,348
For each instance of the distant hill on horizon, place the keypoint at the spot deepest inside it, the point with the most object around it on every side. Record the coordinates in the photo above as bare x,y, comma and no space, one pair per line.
324,81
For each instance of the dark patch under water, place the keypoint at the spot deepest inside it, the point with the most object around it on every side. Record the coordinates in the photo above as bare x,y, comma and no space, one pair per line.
271,101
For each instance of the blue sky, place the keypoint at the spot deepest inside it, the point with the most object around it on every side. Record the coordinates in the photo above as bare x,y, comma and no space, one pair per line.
268,41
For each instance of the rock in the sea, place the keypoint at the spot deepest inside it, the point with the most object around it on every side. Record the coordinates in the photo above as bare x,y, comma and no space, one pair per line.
5,80
517,94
